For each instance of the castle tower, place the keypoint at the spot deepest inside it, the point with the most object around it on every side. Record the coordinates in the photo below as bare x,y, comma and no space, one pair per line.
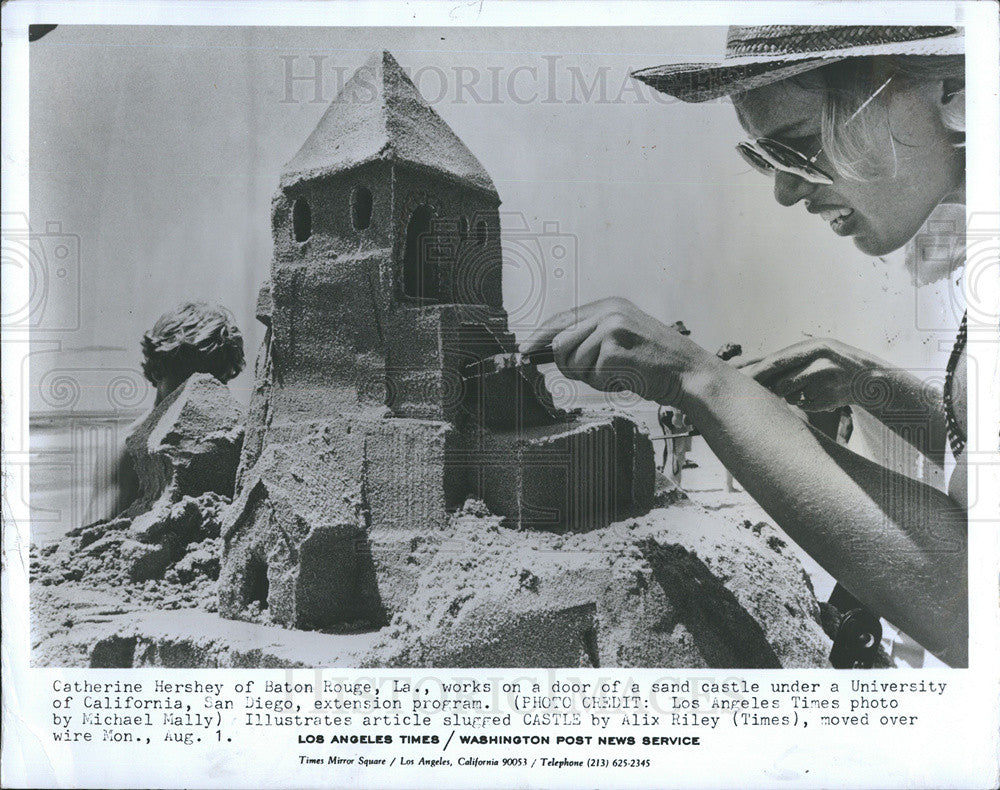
363,433
391,219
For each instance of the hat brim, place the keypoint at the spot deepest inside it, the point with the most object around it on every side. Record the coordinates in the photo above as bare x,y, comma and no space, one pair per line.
698,82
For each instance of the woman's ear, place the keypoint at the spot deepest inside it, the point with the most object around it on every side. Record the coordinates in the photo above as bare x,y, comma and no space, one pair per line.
950,88
951,105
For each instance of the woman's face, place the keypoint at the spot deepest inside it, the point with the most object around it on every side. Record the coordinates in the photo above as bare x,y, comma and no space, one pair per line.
914,169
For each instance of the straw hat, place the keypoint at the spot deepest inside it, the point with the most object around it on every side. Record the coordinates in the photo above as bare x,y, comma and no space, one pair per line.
762,54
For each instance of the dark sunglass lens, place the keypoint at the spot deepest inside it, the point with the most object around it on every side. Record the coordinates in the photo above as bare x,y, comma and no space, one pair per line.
754,159
793,161
782,154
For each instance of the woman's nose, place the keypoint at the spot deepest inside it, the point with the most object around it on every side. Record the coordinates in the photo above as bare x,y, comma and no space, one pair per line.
789,189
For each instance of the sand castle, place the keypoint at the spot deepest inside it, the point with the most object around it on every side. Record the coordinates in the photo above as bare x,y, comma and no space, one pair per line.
366,431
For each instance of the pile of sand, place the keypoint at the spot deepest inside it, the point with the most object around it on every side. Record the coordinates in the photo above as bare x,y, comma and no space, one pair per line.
678,586
178,572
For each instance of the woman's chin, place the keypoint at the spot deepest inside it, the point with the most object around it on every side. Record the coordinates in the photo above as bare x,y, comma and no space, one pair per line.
876,246
891,236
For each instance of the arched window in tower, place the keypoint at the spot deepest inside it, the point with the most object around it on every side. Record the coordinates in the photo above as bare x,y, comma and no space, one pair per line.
301,219
420,267
361,208
482,232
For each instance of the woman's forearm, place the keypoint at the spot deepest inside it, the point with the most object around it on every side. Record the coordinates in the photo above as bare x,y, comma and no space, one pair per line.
899,546
823,374
906,405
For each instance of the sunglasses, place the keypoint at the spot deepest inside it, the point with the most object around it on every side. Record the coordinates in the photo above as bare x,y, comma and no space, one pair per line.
769,156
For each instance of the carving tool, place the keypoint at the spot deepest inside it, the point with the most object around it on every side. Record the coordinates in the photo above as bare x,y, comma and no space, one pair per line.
514,359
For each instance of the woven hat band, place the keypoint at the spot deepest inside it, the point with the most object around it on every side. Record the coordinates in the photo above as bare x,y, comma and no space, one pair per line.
797,39
759,55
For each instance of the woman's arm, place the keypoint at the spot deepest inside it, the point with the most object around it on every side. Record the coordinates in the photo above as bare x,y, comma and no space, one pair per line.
899,546
822,375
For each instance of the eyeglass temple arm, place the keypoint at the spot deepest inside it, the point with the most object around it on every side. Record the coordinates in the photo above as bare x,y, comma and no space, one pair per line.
869,100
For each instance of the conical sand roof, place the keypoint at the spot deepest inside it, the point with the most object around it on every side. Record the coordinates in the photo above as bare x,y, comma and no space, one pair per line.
380,114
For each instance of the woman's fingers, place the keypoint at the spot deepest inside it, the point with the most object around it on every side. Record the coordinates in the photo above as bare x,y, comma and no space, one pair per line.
784,361
547,331
582,363
813,387
794,381
565,345
611,344
580,349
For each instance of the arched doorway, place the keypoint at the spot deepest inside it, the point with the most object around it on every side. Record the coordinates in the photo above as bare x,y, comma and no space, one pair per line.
420,270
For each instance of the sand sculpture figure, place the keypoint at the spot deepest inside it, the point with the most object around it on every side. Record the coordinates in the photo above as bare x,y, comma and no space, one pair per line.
364,431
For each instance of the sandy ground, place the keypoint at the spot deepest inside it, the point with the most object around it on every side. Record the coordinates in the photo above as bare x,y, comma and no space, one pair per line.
675,587
706,485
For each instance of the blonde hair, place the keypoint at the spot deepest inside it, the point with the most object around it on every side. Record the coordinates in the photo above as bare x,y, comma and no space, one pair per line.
850,134
194,337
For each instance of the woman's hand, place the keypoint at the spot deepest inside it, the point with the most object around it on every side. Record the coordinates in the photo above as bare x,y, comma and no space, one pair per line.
818,375
612,345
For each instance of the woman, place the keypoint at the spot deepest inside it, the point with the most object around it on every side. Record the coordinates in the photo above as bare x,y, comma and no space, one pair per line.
863,126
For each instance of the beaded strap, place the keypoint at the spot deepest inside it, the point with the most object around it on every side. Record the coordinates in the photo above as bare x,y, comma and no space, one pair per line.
956,432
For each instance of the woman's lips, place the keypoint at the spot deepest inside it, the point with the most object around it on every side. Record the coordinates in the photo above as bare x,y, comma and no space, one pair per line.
839,219
843,224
